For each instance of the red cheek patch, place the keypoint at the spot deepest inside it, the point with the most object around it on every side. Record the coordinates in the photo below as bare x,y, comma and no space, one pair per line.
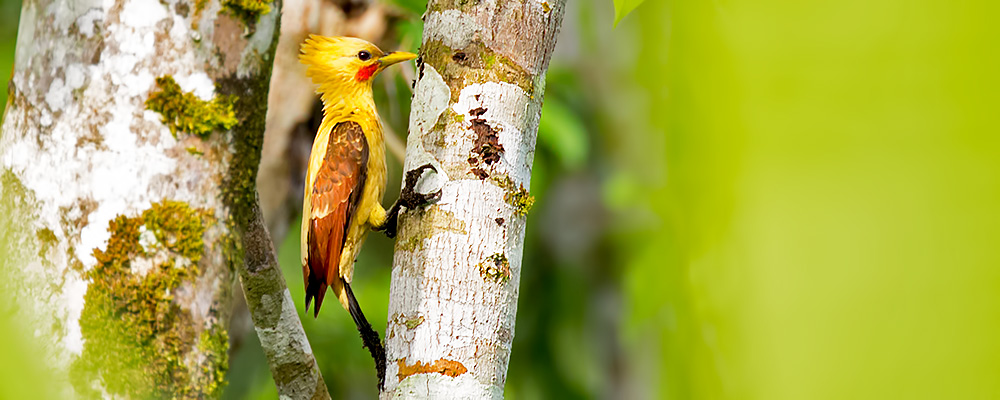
366,72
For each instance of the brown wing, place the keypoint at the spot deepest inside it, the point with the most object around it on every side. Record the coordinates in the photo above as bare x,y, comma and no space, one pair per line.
336,192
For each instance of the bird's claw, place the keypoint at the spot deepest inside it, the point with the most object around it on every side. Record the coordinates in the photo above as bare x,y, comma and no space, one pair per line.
409,198
389,226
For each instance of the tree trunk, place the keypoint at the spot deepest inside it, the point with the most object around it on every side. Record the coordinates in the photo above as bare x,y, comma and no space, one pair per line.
457,263
129,152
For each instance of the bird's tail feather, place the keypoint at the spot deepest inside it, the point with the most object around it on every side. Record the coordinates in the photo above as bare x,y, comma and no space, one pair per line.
369,337
315,288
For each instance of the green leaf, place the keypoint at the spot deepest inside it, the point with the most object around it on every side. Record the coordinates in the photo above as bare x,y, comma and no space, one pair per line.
623,7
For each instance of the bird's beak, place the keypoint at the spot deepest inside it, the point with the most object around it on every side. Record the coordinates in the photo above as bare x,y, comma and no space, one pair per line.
396,57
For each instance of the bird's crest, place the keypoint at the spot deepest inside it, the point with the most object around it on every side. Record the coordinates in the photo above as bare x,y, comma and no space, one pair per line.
339,63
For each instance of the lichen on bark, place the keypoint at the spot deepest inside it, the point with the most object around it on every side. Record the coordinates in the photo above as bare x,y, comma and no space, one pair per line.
432,220
515,195
496,267
137,338
473,63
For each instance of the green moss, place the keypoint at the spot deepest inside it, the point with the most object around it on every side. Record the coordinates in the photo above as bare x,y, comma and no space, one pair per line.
194,151
515,195
239,187
198,6
214,344
247,138
495,267
136,336
179,227
248,11
17,203
13,193
232,249
183,111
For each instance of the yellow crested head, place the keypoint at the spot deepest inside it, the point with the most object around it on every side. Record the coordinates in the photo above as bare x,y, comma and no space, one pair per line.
345,64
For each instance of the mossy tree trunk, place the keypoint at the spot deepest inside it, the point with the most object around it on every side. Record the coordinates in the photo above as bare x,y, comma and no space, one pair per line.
128,155
457,263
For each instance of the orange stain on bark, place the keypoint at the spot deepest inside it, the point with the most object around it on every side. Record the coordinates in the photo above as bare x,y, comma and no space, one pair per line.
442,366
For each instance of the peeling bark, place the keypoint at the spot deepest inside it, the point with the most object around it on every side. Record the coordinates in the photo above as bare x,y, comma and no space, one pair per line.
476,107
128,233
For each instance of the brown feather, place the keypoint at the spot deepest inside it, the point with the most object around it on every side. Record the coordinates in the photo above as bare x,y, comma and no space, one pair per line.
336,191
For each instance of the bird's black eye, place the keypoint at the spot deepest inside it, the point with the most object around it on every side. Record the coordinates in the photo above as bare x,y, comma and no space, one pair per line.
364,55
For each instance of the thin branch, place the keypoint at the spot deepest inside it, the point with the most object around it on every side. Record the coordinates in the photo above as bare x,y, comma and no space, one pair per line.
274,316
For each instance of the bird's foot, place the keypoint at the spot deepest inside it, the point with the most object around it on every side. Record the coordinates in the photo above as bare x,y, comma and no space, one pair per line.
388,226
409,198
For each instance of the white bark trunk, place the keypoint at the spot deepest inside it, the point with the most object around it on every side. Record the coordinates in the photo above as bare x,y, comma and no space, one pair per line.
84,160
457,262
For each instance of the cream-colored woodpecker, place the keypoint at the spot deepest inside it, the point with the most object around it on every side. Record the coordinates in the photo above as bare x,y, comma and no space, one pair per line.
346,177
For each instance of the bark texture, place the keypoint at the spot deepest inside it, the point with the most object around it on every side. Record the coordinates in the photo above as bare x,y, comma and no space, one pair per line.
128,155
285,344
456,271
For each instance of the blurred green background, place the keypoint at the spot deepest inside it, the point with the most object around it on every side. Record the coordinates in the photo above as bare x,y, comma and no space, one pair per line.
737,199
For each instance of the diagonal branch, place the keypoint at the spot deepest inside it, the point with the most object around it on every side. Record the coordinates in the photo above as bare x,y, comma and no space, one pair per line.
274,317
